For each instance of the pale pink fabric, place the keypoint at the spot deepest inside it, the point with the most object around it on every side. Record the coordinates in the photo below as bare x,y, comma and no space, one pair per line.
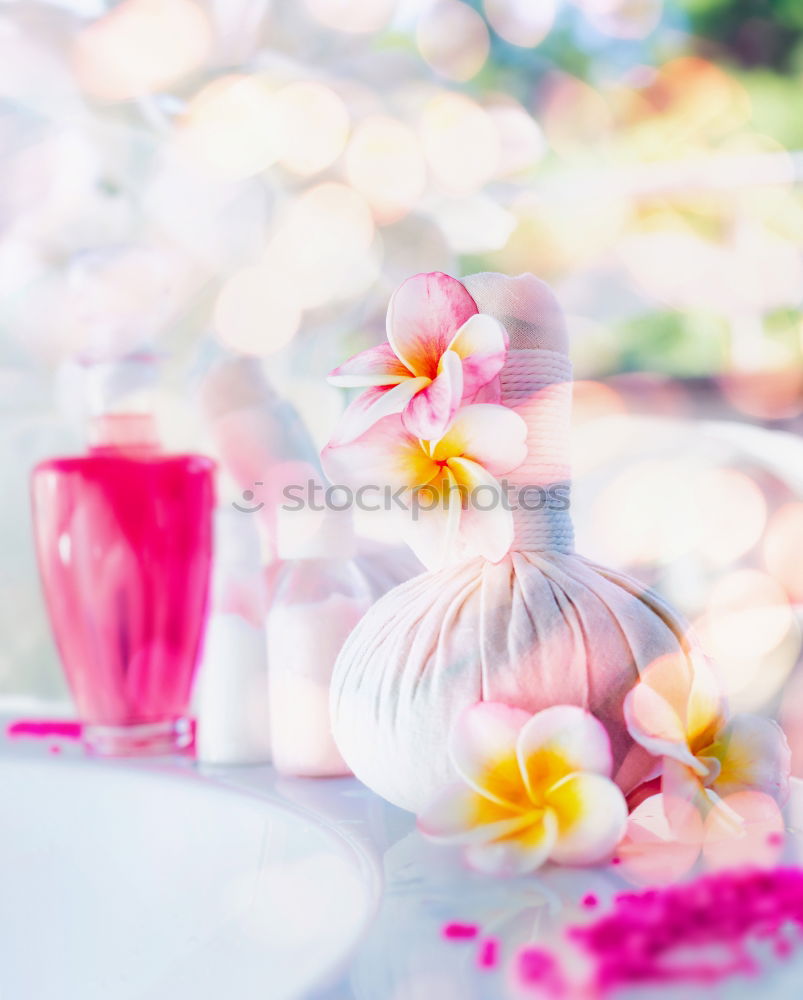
541,627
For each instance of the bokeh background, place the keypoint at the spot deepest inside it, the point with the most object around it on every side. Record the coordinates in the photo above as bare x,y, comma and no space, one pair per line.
256,177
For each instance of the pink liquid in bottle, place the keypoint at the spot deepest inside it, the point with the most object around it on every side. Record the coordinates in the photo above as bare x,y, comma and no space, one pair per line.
123,538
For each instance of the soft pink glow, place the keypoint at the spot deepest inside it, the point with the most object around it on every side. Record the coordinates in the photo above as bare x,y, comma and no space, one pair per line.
453,39
748,616
521,22
460,143
783,544
385,164
313,123
140,46
733,512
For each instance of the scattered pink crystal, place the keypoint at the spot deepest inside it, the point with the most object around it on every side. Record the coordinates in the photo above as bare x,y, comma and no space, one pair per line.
710,921
488,955
64,729
538,967
455,931
698,933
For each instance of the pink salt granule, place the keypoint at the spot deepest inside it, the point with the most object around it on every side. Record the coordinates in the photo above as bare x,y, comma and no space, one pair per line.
697,932
42,729
539,967
488,954
456,931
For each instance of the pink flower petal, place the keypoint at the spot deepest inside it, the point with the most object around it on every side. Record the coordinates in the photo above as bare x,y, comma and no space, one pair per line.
592,815
430,411
493,436
482,748
753,754
652,851
376,366
682,790
518,853
385,455
638,768
745,828
424,314
490,393
459,815
559,741
374,404
481,343
486,527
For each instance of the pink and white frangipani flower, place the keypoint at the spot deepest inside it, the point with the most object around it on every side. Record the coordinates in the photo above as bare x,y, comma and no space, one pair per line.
441,480
679,715
532,788
441,351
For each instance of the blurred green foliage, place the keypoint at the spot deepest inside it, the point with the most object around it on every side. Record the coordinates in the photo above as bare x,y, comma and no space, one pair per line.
755,32
681,344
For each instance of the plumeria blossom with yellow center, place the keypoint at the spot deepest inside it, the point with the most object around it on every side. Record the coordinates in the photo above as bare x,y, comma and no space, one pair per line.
449,485
679,715
441,351
532,788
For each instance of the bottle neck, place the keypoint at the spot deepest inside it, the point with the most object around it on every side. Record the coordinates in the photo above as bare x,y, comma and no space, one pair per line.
129,432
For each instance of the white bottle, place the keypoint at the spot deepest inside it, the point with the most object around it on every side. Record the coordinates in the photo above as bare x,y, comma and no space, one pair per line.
231,697
318,596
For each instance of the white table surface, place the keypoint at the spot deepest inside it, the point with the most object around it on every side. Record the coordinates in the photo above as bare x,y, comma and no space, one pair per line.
414,888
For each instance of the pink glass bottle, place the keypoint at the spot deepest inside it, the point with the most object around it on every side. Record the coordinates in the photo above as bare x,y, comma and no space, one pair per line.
123,539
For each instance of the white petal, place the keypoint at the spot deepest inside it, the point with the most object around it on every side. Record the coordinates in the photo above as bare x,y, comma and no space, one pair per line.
385,454
753,753
493,436
482,748
591,813
376,366
705,711
559,741
656,725
432,529
374,404
486,525
459,815
516,854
